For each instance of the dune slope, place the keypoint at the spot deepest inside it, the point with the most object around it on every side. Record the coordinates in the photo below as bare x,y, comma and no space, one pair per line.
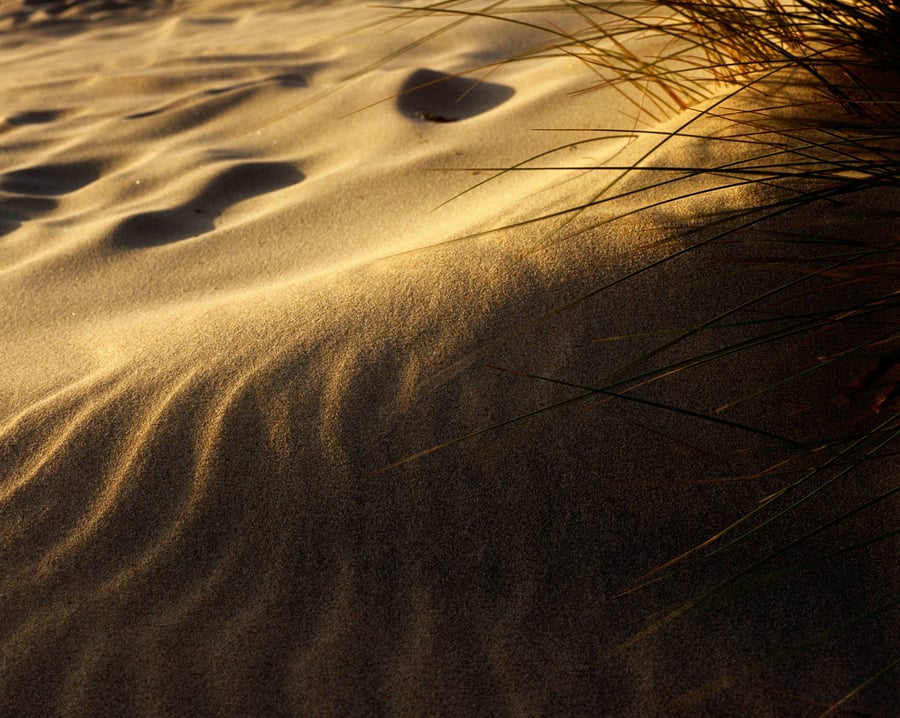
239,312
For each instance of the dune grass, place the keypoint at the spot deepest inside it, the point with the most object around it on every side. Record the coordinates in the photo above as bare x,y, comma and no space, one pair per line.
811,91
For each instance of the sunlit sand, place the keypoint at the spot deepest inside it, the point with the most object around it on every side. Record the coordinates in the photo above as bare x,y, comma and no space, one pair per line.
299,414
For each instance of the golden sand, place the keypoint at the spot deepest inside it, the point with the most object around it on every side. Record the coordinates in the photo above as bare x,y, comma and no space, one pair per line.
231,309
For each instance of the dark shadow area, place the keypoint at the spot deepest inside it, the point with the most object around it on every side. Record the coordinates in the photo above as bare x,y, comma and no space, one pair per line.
15,211
35,117
65,16
198,216
438,97
51,179
285,80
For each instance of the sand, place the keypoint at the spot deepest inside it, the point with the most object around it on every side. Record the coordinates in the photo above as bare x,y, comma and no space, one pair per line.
241,302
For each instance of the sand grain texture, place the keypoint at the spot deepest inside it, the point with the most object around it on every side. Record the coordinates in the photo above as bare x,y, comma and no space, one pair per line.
230,306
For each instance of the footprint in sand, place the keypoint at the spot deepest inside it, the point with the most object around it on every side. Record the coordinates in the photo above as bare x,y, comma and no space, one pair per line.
198,215
438,97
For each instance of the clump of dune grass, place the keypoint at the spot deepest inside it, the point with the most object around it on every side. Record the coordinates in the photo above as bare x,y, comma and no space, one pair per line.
847,47
816,84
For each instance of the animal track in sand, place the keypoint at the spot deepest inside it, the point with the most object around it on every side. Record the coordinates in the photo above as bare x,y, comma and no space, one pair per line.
438,97
197,215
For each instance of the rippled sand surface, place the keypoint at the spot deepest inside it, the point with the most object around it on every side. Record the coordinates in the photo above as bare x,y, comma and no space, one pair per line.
238,312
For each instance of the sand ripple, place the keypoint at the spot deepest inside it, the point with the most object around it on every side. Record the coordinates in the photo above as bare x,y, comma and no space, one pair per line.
231,313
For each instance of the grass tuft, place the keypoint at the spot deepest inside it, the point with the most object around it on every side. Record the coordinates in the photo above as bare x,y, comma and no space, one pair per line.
809,90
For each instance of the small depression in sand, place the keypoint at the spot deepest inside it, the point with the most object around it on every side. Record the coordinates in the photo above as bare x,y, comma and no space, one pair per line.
438,97
35,117
198,215
51,179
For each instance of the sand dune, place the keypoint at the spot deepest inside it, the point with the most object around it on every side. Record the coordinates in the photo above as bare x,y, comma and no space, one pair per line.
235,300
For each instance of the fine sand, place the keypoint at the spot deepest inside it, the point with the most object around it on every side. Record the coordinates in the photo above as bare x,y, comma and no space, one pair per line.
238,309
